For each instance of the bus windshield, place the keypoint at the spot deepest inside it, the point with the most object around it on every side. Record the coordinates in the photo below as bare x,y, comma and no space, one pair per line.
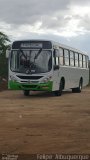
31,61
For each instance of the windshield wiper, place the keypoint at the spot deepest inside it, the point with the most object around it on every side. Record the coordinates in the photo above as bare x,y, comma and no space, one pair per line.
36,56
20,50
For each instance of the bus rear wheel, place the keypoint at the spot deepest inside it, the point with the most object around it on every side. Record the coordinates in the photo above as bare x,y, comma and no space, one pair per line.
26,92
78,89
59,92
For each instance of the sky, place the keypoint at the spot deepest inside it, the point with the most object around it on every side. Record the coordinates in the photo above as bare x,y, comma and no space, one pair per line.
64,21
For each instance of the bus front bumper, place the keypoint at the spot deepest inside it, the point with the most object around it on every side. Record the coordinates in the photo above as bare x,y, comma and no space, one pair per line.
33,87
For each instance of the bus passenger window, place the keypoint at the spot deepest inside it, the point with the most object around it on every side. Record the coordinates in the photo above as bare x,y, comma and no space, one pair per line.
56,57
87,61
76,60
61,56
84,61
80,60
66,57
71,58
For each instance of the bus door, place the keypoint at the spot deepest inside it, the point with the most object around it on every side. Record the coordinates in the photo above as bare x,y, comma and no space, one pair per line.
56,77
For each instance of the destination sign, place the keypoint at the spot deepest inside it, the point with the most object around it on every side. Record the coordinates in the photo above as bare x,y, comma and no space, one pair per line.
31,45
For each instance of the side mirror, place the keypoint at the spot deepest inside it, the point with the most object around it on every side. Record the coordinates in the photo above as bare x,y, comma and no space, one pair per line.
56,53
56,67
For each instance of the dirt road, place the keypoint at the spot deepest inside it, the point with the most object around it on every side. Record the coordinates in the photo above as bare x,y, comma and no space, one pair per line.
42,123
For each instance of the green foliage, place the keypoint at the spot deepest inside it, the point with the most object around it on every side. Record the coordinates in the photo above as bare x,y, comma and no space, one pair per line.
3,61
3,39
3,42
3,66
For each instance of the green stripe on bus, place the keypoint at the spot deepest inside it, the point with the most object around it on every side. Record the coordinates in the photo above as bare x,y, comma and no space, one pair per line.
26,86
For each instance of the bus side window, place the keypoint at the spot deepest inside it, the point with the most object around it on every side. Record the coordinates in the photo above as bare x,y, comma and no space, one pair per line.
80,60
66,57
71,58
56,57
61,58
76,60
87,61
84,61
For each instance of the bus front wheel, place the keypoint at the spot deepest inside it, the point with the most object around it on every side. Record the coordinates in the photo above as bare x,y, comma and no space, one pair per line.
59,92
26,93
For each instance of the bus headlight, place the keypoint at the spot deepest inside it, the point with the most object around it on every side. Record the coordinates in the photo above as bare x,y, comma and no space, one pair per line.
45,80
12,78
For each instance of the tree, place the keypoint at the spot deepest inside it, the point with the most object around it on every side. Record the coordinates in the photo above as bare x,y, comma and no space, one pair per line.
4,44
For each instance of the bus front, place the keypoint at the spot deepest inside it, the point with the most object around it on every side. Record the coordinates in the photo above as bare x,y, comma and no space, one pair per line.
30,66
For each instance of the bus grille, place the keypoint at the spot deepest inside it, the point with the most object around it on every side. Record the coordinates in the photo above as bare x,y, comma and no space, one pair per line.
29,77
29,86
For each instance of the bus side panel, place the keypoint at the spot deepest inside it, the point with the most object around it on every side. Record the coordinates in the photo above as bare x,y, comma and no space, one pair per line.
72,77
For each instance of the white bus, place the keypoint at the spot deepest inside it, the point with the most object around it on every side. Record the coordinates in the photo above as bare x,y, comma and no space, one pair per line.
42,65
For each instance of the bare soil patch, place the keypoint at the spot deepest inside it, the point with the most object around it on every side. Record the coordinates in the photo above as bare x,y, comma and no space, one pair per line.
42,123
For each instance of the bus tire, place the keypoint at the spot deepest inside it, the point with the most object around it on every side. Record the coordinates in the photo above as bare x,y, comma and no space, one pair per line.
59,92
78,89
26,92
73,90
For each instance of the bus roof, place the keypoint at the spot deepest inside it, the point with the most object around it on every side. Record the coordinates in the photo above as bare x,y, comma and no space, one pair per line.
54,43
68,47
